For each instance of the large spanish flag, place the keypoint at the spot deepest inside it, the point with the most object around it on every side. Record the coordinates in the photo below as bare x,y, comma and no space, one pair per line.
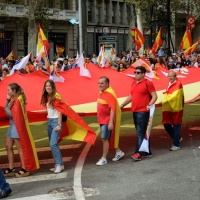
42,41
139,39
187,40
172,104
22,125
74,128
109,97
157,42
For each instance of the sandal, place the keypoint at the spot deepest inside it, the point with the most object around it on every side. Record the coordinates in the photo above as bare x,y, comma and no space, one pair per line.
22,173
9,172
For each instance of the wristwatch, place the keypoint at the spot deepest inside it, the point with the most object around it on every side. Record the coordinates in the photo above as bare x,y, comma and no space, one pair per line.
59,125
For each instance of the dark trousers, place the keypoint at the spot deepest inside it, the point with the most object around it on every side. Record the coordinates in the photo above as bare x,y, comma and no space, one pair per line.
4,186
174,133
141,121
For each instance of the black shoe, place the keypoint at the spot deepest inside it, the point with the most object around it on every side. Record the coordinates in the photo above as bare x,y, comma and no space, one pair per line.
5,194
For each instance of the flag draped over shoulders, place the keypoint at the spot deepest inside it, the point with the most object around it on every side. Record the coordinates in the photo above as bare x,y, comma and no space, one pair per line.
109,97
74,128
22,125
172,104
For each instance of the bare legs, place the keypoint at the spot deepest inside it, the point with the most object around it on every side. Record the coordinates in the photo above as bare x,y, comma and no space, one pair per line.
9,147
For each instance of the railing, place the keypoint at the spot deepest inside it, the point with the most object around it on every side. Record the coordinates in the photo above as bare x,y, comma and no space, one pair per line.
14,10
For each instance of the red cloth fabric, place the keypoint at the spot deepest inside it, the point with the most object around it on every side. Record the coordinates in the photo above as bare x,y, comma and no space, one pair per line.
141,95
103,110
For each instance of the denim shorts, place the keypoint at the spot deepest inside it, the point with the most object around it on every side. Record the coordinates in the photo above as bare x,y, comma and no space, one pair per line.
12,131
105,133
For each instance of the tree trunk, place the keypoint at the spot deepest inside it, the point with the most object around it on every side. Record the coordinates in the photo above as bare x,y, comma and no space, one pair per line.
32,29
139,24
129,44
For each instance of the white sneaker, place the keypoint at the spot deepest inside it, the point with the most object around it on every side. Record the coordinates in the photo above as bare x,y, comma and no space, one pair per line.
102,161
174,148
58,168
118,155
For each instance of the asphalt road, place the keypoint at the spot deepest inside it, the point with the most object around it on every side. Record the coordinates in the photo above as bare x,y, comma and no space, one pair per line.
165,176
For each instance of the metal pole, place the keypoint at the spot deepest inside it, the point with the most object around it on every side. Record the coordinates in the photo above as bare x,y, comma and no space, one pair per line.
80,27
168,26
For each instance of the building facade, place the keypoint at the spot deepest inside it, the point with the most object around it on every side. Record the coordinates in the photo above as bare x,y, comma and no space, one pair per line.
60,32
106,22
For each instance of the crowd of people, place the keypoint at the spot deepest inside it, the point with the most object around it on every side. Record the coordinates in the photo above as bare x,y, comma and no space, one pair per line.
121,62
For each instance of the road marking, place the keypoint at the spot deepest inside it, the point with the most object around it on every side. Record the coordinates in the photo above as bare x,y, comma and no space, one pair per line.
34,178
42,162
39,197
78,190
158,127
196,128
127,125
71,146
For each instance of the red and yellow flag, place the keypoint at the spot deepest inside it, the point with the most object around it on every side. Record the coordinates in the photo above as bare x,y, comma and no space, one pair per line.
157,42
22,125
109,97
187,40
42,41
139,39
113,51
132,31
172,104
59,49
9,57
191,49
74,128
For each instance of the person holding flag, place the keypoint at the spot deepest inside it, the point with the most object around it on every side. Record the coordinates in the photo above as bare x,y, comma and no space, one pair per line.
143,96
172,109
63,123
109,117
19,133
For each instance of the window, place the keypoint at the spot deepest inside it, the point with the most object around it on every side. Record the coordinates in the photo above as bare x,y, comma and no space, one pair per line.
105,13
114,4
120,12
97,14
50,3
89,11
65,4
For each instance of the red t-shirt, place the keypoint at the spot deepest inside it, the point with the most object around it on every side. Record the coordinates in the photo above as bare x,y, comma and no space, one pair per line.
103,111
141,95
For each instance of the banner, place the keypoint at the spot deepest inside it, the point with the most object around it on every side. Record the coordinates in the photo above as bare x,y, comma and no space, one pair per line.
145,144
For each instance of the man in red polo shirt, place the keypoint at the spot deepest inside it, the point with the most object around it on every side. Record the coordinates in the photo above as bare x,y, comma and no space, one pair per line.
109,116
142,96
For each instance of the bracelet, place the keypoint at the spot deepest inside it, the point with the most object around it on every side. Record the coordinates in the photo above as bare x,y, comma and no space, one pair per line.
59,125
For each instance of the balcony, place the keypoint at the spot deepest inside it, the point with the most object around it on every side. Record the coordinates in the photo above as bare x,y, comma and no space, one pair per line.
14,10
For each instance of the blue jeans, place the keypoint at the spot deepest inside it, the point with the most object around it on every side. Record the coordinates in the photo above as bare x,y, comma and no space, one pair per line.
3,185
174,133
53,139
105,133
141,121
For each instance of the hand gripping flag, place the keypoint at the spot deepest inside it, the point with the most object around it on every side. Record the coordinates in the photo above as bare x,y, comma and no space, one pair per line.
109,97
74,128
145,143
22,125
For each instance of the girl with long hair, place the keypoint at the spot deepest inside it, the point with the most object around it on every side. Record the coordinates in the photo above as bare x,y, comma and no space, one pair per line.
54,123
19,133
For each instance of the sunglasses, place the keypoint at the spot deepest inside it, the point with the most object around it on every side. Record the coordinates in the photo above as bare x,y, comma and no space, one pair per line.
135,72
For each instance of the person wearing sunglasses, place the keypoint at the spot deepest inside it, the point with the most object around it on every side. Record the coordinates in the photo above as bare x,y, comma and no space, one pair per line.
142,96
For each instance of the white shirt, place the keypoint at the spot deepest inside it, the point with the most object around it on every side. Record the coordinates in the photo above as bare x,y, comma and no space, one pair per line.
171,84
52,112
